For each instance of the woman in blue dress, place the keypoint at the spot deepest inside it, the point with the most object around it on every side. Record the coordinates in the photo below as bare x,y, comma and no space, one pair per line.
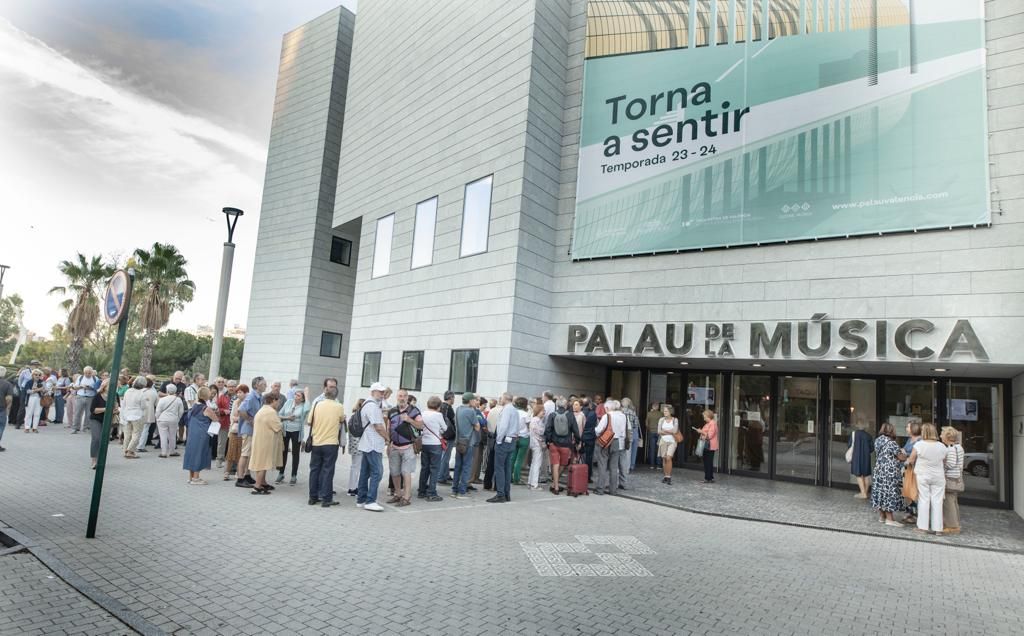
197,444
887,490
860,463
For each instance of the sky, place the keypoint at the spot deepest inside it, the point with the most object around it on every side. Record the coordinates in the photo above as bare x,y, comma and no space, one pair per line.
126,122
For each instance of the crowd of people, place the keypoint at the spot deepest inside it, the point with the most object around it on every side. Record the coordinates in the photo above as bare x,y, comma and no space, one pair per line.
923,477
252,430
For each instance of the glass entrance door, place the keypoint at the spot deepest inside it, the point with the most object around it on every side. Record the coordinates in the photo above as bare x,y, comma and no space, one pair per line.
853,407
751,423
664,388
703,392
796,432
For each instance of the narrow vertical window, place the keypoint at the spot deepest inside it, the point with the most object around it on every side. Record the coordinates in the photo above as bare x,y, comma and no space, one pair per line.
412,371
423,233
382,246
462,374
476,217
371,368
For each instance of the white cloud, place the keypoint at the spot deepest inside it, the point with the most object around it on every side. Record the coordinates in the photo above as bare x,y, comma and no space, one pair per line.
89,164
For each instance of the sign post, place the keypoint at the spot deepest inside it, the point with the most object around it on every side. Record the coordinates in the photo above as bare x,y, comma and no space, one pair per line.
116,301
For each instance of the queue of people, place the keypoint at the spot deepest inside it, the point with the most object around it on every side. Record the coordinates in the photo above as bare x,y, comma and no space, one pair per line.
252,430
922,478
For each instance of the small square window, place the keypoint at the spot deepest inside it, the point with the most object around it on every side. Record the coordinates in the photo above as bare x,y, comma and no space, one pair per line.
462,375
371,368
341,251
412,371
330,344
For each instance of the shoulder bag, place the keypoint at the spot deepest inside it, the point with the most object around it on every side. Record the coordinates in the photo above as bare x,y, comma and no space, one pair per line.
307,446
677,435
909,484
604,440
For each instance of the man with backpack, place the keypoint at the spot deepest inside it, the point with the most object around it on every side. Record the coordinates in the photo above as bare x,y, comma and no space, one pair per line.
448,413
371,445
562,439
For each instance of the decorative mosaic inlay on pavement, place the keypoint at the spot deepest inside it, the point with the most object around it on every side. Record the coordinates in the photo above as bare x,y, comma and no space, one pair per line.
563,559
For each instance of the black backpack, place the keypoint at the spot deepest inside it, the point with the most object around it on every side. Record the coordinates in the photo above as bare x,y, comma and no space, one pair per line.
449,420
355,424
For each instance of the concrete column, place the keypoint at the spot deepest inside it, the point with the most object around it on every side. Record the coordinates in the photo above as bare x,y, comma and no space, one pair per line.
227,260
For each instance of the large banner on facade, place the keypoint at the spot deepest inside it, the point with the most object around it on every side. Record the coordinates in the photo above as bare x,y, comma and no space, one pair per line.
791,120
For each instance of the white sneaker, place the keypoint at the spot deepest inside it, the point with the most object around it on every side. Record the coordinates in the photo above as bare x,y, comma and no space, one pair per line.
359,505
373,506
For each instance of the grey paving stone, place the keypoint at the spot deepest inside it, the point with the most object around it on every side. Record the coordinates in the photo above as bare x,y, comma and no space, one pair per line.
239,564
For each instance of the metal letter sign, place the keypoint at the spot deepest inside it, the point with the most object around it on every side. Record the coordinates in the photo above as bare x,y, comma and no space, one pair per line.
115,300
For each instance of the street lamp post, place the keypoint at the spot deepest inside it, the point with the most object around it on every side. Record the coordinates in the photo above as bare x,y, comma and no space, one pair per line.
231,215
3,270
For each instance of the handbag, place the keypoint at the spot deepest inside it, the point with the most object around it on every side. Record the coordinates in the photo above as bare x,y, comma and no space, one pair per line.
604,440
849,451
954,484
213,430
462,445
701,445
909,484
307,446
678,437
419,442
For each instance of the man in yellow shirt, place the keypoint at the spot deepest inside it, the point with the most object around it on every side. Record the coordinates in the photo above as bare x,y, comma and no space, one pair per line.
325,421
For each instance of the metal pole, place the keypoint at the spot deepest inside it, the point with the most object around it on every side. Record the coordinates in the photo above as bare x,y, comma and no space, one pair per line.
108,414
227,260
3,271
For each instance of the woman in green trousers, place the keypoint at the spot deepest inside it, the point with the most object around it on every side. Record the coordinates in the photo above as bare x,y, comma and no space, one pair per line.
522,443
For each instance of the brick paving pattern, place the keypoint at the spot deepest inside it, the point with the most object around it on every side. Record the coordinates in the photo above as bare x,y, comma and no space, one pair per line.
798,504
34,601
216,560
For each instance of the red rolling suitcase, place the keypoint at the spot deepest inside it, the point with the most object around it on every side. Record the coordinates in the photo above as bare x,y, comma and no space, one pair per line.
576,481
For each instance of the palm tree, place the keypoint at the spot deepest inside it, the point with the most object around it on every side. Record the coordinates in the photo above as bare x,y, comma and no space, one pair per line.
165,286
84,278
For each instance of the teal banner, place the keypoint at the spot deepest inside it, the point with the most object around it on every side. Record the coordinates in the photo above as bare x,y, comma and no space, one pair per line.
856,126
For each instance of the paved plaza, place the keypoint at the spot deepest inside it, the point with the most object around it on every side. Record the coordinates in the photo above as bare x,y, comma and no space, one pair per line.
179,559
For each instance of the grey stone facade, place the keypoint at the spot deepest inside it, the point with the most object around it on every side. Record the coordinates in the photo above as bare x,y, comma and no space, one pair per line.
440,94
297,291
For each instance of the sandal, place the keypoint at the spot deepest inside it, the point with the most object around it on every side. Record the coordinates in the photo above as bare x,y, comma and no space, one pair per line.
393,500
259,491
403,502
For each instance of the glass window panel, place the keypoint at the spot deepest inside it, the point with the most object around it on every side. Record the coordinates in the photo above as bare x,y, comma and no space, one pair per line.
751,426
908,401
976,410
664,388
341,251
476,217
703,392
412,371
382,246
796,441
371,368
330,344
463,372
423,233
853,406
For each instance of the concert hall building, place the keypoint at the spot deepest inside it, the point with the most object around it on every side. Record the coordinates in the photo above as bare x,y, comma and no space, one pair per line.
806,215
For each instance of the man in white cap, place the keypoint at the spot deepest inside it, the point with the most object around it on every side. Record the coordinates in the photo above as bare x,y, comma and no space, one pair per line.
371,445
